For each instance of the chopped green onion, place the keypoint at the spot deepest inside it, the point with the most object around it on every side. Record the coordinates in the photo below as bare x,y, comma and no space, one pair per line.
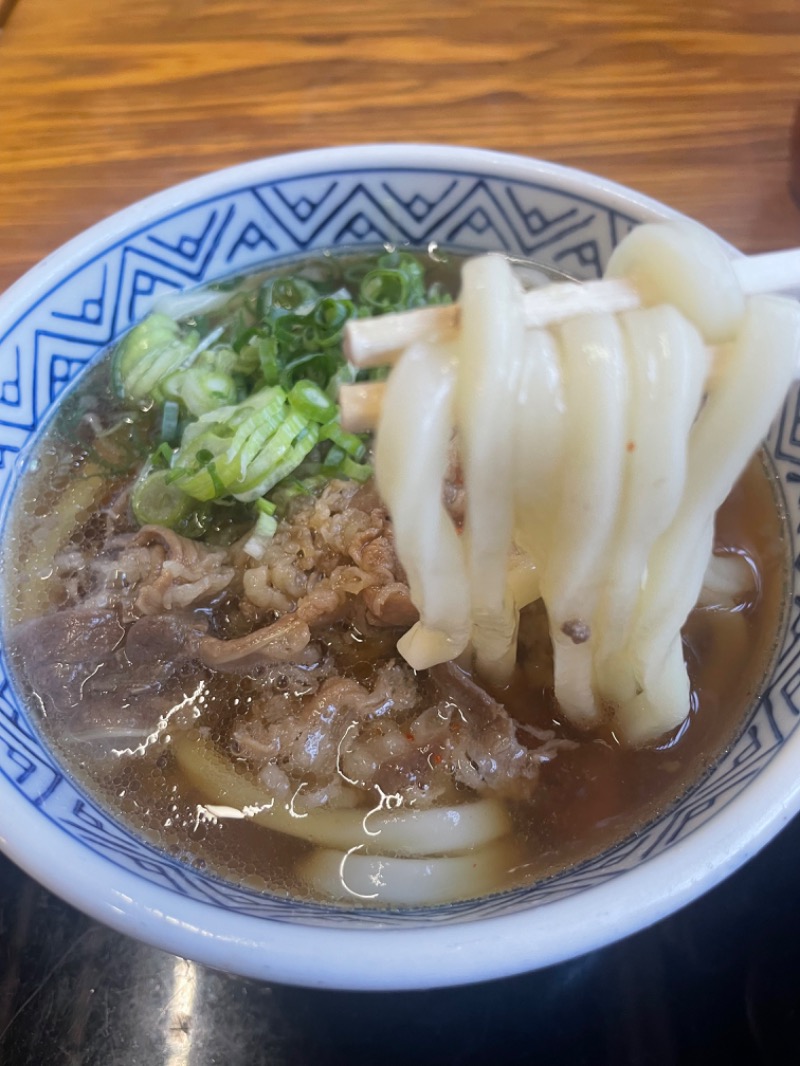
331,313
309,400
151,351
285,295
345,375
313,364
291,487
383,290
162,456
353,445
285,450
263,532
157,502
253,403
266,525
354,471
199,390
243,450
334,458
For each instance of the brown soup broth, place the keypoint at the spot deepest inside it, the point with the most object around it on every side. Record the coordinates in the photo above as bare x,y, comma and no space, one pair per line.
600,792
589,797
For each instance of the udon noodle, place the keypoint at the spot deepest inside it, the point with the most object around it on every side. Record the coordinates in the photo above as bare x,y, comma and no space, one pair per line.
594,456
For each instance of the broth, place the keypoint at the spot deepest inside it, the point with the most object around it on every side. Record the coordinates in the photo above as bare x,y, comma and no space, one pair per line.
592,794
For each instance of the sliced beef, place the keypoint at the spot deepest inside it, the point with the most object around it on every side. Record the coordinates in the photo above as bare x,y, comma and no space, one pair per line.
312,744
331,558
485,746
163,639
285,641
135,639
101,681
401,735
175,573
339,544
68,645
391,605
149,572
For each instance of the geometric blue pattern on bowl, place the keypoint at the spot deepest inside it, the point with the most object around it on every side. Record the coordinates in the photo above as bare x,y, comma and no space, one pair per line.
51,341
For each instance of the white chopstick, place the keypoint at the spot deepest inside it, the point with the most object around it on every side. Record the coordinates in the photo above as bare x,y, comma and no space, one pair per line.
378,341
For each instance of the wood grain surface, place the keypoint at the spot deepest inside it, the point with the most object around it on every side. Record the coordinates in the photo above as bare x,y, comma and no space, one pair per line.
105,101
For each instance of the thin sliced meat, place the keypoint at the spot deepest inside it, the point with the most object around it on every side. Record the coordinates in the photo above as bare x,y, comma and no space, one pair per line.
95,681
390,605
179,573
402,735
486,747
339,545
282,642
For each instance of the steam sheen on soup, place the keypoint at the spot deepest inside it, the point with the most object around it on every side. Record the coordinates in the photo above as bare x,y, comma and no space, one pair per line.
199,555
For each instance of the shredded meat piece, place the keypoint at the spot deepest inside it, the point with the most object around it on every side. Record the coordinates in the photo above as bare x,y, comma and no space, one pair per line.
283,642
321,606
147,573
98,681
485,748
117,656
391,604
340,544
309,745
173,571
402,736
327,558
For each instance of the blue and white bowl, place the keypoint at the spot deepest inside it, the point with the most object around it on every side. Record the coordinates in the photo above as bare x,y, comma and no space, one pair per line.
64,312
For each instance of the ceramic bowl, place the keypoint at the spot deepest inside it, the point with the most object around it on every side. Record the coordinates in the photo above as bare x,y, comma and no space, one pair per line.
56,320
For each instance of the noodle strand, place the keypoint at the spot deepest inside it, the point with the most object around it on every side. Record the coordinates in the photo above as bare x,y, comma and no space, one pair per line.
595,456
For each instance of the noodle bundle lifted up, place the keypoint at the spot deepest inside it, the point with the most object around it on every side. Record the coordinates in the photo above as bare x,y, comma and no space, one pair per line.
594,456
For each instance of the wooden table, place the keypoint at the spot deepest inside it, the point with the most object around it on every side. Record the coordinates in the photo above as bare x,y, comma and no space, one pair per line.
105,101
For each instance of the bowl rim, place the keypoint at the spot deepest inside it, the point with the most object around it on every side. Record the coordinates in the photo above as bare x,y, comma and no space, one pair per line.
122,224
379,958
